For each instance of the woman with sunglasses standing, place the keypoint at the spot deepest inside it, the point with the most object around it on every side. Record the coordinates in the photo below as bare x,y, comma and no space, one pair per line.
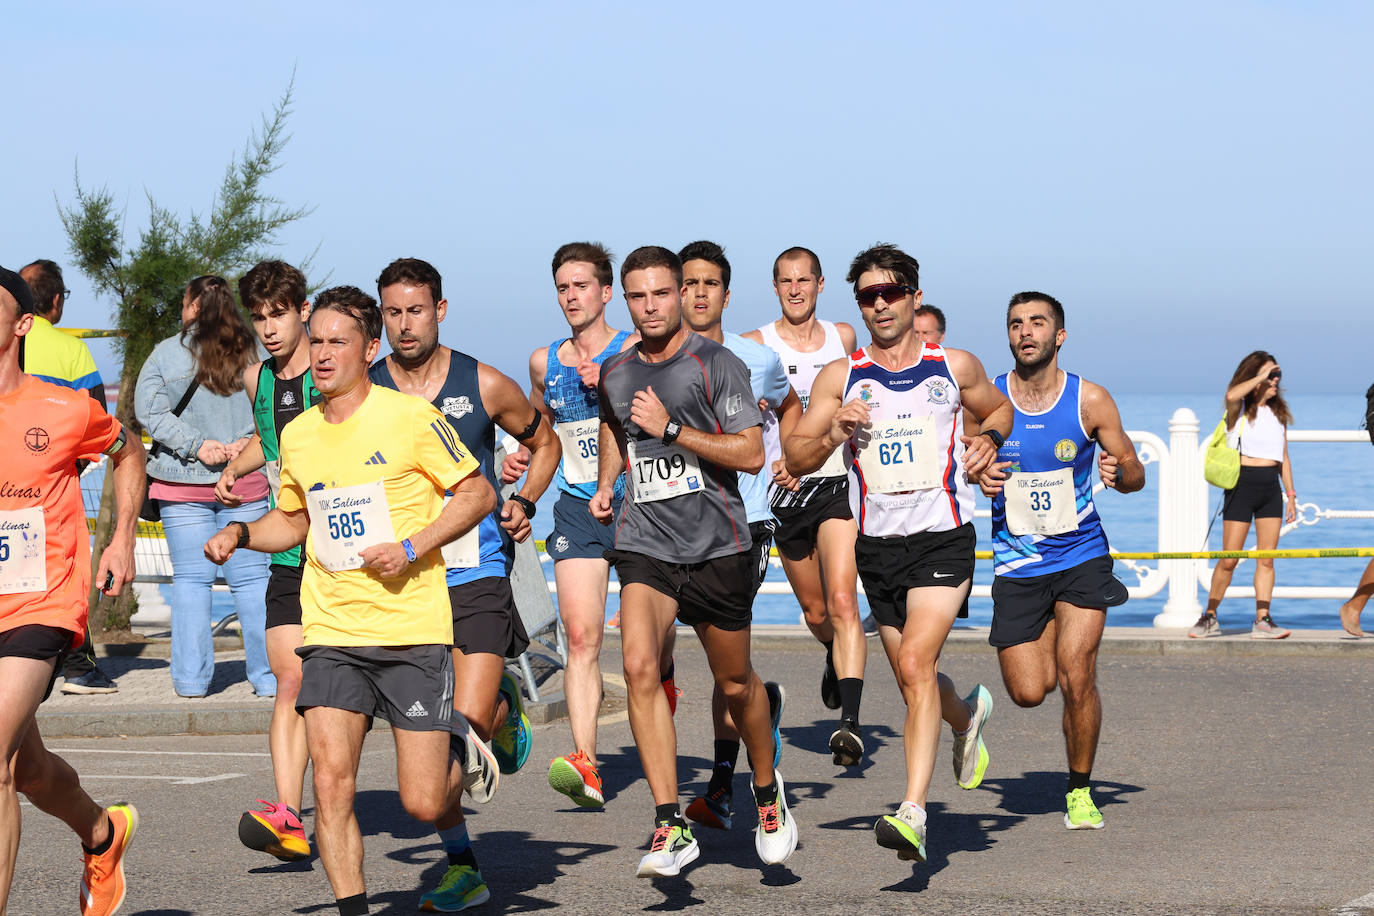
1257,420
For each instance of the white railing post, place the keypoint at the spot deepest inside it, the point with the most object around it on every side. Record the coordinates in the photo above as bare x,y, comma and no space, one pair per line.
1184,505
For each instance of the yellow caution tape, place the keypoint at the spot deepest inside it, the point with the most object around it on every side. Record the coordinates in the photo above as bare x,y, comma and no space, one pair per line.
92,332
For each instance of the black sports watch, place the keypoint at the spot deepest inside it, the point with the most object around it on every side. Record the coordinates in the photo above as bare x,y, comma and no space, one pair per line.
243,535
671,431
996,437
523,503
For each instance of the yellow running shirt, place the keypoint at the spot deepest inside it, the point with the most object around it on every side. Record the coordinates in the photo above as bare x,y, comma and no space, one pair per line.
377,477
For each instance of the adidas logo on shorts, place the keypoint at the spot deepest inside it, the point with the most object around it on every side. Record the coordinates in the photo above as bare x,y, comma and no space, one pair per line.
416,710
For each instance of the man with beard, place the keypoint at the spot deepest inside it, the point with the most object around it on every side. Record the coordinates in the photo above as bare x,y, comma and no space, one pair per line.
894,408
678,414
475,399
1054,579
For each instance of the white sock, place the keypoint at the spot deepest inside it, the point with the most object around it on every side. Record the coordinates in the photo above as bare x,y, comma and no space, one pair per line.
920,812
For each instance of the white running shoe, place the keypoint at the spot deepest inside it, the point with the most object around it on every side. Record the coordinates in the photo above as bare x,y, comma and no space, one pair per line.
775,838
970,756
481,772
671,848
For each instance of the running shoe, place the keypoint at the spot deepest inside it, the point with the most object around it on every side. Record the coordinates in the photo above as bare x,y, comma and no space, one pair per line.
275,830
511,743
1207,625
777,698
830,686
1081,813
970,756
481,772
903,832
715,809
461,887
870,625
576,777
775,838
93,681
102,883
671,847
846,744
1265,628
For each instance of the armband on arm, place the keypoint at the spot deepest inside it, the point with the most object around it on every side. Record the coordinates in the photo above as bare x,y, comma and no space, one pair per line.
118,445
532,428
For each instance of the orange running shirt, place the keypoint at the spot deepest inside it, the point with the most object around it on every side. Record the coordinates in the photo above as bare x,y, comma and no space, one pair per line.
44,428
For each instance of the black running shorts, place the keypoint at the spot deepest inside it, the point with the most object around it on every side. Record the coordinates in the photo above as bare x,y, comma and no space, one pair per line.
798,528
1257,494
1022,607
409,686
716,592
890,567
485,618
283,596
761,533
33,640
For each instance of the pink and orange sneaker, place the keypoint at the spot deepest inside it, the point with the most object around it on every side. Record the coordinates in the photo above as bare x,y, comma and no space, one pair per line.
276,830
576,777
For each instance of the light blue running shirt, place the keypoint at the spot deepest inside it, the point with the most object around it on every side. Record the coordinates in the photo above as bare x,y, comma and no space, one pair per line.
769,383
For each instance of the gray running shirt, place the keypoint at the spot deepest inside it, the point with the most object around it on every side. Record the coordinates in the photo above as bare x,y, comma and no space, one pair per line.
679,507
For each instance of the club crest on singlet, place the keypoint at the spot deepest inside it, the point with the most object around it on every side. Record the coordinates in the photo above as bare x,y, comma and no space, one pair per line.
456,407
288,398
937,391
1065,450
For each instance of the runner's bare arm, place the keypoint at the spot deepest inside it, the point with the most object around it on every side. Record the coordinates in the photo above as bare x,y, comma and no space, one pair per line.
610,464
473,500
275,532
742,451
1118,465
755,335
1235,397
1290,514
248,461
250,381
518,461
507,405
990,406
825,425
130,482
789,414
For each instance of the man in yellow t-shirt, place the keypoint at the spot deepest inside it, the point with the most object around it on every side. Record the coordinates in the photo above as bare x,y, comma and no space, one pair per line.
363,482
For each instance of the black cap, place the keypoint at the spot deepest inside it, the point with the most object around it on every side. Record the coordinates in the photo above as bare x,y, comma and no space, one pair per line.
16,287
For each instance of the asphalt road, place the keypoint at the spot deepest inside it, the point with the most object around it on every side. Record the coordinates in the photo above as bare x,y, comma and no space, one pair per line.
1229,784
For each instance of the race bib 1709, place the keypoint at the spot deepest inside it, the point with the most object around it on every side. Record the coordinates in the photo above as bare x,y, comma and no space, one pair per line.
659,471
345,520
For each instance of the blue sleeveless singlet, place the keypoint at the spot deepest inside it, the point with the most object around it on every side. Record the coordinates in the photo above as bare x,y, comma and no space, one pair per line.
570,400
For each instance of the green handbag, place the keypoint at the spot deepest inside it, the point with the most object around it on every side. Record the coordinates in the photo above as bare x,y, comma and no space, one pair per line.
1221,462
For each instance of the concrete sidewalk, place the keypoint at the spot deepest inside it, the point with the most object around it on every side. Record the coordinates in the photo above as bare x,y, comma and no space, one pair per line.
147,706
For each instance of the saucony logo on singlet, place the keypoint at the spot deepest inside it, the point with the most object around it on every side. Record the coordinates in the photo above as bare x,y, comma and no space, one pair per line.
375,459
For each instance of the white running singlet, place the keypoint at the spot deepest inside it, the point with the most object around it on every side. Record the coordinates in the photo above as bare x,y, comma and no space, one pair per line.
802,369
905,475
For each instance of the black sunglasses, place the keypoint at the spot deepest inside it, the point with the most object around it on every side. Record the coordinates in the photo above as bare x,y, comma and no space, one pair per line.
891,293
1275,375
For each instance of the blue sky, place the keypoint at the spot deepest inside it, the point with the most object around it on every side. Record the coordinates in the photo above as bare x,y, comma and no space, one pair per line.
1191,180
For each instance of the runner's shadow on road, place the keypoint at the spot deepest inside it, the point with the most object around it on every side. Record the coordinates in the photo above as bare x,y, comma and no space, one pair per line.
380,812
622,769
1042,792
514,864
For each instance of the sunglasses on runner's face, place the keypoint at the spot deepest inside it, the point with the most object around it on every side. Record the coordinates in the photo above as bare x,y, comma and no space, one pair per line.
891,293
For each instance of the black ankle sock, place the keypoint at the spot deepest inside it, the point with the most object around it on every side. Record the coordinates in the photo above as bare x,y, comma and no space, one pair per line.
466,857
352,906
851,692
1079,780
667,814
829,652
727,752
668,675
105,846
766,796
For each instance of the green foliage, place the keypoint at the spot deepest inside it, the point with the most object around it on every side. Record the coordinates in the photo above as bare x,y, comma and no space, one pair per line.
147,280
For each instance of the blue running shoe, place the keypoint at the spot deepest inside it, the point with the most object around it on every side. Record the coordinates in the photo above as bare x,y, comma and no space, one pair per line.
777,697
461,887
511,743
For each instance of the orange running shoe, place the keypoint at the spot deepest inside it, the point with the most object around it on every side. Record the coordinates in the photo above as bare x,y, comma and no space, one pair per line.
576,777
673,692
275,830
102,884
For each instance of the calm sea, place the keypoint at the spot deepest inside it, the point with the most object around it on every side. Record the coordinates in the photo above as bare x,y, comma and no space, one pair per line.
1331,475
